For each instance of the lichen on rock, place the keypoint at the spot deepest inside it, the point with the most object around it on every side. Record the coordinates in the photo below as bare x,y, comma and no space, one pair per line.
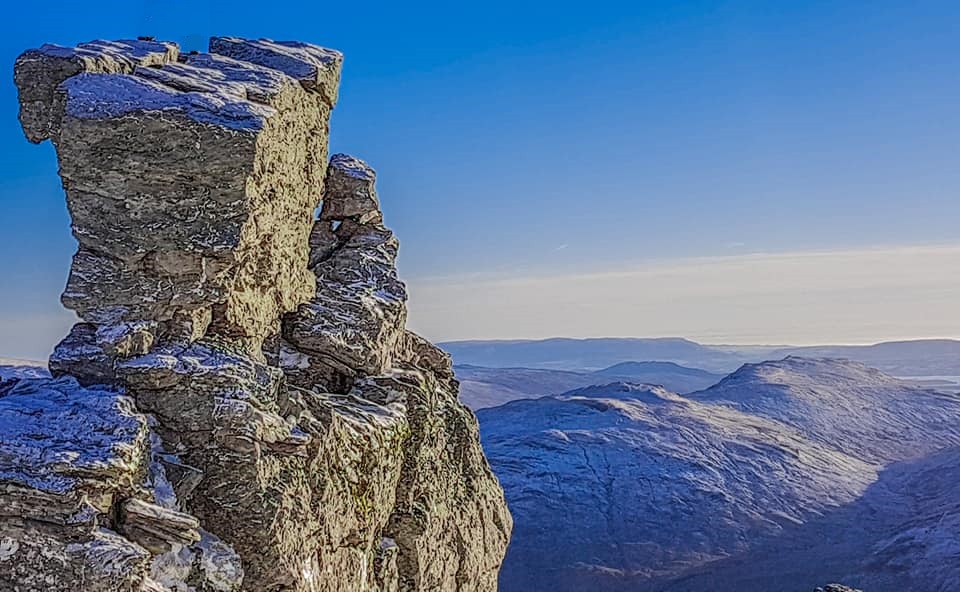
241,406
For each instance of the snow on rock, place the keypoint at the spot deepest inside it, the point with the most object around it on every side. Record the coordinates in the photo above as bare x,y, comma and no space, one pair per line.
355,322
76,504
60,439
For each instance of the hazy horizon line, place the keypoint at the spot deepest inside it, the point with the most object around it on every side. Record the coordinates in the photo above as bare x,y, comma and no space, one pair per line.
854,296
704,343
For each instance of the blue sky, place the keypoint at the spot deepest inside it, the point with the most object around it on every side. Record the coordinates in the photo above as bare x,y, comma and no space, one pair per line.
534,139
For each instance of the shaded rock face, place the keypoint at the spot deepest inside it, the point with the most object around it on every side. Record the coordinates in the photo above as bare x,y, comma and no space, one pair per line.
241,406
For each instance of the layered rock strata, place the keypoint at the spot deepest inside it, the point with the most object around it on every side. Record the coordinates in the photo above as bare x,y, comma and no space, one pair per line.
241,406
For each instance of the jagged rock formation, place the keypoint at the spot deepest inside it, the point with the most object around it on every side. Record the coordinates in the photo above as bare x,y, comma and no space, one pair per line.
241,407
783,476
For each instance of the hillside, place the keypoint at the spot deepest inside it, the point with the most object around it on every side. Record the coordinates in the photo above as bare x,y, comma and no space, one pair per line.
488,387
846,405
13,368
626,487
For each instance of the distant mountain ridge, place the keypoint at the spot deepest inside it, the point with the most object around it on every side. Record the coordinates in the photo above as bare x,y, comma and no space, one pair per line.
625,487
922,357
488,387
15,368
589,354
925,357
643,368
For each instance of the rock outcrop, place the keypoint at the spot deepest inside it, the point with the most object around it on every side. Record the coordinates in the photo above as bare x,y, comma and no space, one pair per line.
241,406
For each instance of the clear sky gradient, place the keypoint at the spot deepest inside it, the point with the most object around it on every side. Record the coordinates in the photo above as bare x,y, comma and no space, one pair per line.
567,143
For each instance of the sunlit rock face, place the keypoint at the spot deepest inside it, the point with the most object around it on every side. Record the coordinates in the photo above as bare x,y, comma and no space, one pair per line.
191,179
241,406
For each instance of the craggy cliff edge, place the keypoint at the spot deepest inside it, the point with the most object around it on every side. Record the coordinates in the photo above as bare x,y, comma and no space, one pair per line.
241,407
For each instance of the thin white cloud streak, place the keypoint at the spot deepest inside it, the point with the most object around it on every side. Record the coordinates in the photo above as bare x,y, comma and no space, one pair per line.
843,296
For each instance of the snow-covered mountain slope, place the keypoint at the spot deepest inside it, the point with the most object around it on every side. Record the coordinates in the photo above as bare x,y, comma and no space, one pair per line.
488,387
853,408
13,368
627,487
902,534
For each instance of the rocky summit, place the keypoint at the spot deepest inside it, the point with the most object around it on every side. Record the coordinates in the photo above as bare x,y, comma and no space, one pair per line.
241,407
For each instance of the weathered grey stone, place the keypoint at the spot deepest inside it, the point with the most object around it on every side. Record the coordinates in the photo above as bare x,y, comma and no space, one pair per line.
157,528
191,185
417,353
35,558
450,521
80,356
68,452
354,324
300,439
316,68
77,499
334,463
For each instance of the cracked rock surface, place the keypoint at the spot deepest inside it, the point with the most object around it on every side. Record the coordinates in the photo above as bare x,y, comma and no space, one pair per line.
240,407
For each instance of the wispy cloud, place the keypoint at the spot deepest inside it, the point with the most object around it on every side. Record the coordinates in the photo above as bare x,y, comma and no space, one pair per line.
855,295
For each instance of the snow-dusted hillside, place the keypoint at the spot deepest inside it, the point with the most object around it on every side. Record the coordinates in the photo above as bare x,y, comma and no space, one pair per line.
12,368
902,535
488,387
629,487
846,405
